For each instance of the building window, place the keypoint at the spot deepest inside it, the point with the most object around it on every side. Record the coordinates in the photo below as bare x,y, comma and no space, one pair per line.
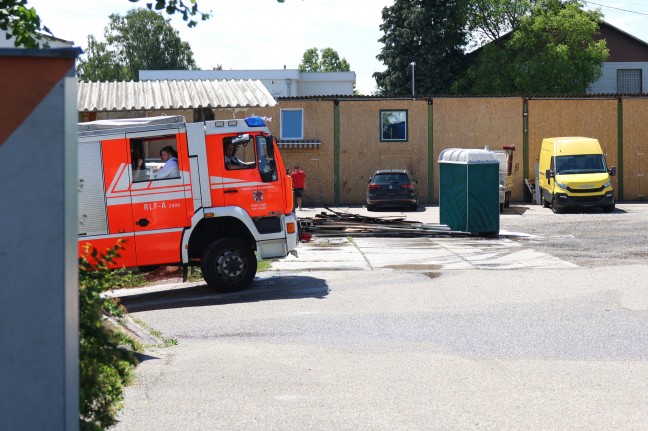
393,126
629,81
292,124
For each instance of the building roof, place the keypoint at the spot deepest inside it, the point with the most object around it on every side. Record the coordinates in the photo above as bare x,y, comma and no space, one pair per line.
623,46
190,94
53,42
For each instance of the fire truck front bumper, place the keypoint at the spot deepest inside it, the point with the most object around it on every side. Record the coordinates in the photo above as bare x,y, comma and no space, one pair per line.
280,247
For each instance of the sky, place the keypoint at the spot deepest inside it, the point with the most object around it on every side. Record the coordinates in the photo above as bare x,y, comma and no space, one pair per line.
265,34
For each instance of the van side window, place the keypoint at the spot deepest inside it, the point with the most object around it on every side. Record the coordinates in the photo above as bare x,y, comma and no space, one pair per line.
148,158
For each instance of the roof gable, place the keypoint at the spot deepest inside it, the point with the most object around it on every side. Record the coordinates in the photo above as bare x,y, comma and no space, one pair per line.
623,46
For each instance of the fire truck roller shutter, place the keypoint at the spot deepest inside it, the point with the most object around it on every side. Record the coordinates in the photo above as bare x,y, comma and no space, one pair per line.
92,198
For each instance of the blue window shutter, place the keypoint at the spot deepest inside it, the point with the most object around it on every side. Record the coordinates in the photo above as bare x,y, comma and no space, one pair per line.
292,124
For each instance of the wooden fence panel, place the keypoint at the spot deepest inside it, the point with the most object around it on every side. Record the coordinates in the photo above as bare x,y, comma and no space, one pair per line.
592,118
475,123
635,149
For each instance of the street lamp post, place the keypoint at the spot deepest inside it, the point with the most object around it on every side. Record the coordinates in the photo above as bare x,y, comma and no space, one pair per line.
413,64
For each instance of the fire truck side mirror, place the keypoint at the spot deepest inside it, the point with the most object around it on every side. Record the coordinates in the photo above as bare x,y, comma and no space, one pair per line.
270,147
269,173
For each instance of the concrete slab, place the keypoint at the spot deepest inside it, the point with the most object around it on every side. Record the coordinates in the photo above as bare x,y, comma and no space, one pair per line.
416,254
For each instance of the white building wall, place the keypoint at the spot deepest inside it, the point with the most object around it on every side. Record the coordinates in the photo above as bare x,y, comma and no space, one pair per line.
280,82
325,88
607,83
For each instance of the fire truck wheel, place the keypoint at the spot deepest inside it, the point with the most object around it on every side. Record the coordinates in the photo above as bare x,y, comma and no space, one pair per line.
228,264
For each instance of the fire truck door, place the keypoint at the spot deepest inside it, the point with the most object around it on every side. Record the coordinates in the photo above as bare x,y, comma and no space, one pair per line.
255,188
161,195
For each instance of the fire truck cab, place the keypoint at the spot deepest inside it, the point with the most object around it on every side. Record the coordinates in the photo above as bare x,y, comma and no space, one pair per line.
196,206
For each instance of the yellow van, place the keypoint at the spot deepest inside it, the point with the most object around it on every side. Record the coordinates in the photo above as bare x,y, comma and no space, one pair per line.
573,173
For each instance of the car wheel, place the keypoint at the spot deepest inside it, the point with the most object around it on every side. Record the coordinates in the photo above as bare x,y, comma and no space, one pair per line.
371,207
554,206
414,206
608,208
228,264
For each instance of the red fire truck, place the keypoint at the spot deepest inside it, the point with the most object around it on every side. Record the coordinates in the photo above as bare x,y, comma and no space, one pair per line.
201,211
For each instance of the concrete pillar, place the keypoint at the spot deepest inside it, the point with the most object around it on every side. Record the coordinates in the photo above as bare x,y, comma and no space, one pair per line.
39,341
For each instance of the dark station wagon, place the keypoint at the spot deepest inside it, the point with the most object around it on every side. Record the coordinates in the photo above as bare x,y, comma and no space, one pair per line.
392,188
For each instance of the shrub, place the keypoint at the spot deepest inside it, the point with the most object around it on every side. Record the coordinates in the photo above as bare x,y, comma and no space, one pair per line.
106,356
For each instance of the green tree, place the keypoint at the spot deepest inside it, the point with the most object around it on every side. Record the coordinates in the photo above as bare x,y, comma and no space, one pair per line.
22,22
328,61
102,64
488,20
428,32
140,40
552,52
331,61
310,61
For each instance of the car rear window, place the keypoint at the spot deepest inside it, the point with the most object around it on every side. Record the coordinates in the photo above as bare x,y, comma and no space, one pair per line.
390,178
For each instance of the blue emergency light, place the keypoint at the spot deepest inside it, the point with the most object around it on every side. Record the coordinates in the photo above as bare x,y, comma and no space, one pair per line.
255,122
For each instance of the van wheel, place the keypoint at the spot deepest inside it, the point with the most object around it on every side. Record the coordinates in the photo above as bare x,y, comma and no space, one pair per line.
608,208
228,264
554,206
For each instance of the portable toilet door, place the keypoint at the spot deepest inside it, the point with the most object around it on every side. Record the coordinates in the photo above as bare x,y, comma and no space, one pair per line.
469,191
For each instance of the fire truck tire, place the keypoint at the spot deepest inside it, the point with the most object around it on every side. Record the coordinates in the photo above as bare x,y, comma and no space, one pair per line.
228,264
148,268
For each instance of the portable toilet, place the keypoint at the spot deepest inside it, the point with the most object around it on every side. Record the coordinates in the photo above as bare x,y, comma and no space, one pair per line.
469,190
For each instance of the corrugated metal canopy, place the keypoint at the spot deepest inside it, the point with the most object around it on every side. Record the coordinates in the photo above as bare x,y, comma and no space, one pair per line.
186,94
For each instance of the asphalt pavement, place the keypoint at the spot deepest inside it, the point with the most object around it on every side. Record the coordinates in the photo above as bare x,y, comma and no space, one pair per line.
409,334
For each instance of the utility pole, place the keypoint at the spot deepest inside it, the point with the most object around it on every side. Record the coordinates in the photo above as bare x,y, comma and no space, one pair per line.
413,64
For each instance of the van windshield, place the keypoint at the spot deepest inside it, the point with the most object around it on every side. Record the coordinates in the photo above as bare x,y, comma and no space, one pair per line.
580,164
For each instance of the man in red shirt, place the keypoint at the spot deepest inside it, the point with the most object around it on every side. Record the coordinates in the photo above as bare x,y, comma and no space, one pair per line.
299,184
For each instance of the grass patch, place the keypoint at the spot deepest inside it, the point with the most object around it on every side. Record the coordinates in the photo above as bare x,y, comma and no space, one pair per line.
166,342
264,265
126,278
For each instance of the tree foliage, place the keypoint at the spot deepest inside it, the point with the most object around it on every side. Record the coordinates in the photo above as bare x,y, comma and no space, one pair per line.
22,22
25,25
331,61
310,61
488,20
140,40
430,33
325,60
553,51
